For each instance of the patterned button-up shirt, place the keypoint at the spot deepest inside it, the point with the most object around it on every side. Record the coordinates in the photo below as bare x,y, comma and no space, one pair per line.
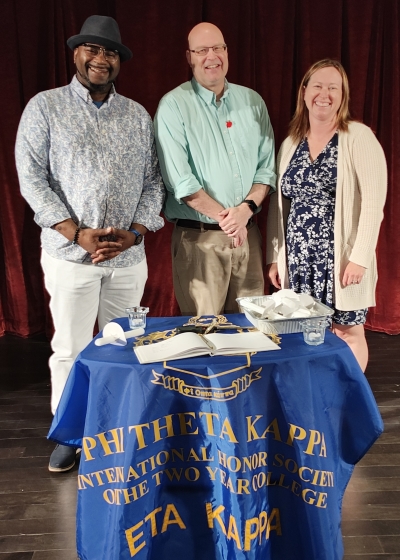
96,166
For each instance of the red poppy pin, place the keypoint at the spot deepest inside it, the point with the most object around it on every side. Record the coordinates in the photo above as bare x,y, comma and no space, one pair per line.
228,124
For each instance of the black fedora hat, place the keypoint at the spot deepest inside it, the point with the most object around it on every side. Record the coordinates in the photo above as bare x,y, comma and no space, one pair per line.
103,30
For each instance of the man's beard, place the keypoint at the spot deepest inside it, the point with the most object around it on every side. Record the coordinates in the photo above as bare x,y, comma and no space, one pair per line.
100,88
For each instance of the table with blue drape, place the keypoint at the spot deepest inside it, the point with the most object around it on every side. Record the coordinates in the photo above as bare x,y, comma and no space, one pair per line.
242,457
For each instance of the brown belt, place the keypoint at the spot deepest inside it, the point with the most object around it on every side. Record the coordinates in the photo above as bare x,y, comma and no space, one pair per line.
202,226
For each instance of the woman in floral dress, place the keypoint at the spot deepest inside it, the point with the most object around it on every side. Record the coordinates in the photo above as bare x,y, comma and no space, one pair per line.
324,219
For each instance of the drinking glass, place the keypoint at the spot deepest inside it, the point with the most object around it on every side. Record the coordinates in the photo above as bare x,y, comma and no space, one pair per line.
314,331
137,316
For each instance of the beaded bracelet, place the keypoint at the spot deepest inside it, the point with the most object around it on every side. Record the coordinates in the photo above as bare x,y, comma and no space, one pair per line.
76,236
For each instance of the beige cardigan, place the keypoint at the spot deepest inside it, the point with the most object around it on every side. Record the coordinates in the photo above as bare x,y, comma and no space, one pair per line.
360,197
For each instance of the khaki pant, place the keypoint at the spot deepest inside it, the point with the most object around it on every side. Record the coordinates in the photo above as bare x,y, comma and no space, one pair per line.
209,273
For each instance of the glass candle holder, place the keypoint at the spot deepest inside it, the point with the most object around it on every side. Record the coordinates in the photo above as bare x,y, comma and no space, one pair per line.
137,316
314,331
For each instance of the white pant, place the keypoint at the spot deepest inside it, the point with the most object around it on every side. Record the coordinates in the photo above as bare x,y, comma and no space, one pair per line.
80,293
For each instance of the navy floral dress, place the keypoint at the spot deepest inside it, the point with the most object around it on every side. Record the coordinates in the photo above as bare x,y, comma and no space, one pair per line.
311,187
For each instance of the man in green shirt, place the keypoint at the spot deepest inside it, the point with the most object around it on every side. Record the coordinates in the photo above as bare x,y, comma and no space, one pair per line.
216,149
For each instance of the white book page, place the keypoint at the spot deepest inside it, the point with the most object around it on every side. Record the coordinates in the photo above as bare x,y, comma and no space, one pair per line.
242,342
182,345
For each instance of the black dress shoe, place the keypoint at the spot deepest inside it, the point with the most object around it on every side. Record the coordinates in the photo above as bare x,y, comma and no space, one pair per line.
63,458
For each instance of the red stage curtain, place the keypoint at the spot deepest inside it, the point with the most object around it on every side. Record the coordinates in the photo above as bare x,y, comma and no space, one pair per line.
271,44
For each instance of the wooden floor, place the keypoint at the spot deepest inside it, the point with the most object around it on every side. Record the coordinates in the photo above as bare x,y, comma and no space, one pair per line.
37,508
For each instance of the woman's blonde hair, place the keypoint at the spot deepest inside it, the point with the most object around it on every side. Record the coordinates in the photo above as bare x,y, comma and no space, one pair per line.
300,124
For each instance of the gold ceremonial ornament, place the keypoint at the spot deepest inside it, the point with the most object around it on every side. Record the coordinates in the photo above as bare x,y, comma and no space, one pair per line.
201,321
210,322
217,322
155,337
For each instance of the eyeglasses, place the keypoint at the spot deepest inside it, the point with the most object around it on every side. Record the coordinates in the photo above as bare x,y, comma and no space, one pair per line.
94,50
204,50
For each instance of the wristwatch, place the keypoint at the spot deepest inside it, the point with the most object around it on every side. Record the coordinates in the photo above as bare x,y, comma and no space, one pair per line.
252,205
139,236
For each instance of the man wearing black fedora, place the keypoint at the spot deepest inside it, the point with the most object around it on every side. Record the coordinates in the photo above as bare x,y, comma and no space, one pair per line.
87,166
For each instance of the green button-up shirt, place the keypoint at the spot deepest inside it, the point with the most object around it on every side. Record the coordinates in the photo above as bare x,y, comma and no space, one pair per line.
223,147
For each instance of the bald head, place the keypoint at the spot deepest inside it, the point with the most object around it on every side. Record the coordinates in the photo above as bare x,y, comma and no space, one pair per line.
202,33
209,67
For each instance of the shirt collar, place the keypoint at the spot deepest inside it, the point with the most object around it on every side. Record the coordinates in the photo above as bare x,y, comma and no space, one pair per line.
207,95
84,93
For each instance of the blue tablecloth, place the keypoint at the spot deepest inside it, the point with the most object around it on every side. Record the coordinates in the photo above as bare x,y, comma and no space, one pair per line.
225,458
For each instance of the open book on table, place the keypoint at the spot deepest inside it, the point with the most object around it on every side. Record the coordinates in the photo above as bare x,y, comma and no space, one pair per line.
189,345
